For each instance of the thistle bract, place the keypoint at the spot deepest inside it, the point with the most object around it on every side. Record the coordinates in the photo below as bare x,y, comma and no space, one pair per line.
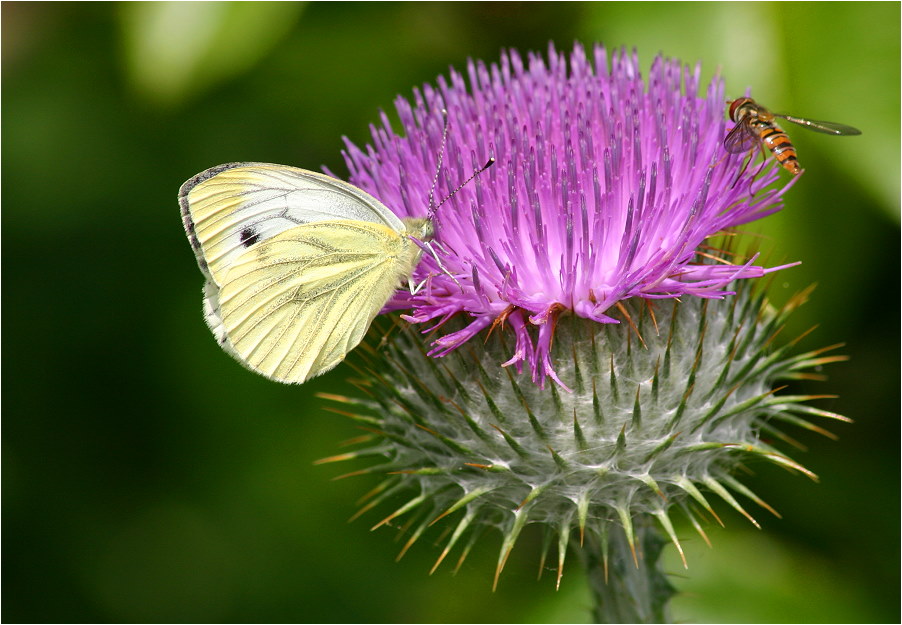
650,425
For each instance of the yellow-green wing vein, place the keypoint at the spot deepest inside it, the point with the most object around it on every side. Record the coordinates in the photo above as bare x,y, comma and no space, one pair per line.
293,306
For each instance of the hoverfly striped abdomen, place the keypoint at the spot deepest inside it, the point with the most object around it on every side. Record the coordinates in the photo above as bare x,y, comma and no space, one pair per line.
778,142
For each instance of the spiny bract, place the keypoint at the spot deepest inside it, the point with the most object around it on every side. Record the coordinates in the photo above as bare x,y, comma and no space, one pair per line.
659,413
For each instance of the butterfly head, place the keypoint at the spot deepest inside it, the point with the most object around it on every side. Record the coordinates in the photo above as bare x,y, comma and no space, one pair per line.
421,228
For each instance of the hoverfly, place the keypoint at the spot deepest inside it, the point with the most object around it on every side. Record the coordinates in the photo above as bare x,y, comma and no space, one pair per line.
755,125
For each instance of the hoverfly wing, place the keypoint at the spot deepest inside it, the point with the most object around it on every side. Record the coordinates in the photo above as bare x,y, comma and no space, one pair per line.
830,128
741,139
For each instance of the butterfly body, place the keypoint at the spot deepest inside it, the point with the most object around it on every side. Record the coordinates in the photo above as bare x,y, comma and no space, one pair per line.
297,264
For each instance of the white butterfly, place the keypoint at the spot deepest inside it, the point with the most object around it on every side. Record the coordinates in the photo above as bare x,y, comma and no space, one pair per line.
297,264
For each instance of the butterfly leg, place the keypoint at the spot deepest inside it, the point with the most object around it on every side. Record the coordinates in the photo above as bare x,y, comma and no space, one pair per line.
416,288
439,262
429,246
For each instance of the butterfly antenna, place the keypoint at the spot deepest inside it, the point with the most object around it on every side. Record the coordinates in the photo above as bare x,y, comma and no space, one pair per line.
488,164
431,249
438,168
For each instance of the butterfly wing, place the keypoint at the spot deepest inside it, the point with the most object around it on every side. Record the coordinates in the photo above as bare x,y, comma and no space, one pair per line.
291,307
229,208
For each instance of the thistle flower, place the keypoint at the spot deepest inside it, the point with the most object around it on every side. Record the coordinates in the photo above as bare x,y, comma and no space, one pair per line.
604,194
604,190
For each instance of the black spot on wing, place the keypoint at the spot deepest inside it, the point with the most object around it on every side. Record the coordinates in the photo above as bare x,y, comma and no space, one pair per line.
249,236
187,220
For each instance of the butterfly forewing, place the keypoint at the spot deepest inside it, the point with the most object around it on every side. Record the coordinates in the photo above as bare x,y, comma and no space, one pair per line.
229,208
292,307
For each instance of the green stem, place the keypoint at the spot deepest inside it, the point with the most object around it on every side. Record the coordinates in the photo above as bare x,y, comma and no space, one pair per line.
628,593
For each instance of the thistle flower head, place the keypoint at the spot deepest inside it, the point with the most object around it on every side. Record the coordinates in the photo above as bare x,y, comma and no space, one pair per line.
604,193
604,189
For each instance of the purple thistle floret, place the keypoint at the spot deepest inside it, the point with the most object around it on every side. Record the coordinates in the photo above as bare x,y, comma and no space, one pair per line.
603,189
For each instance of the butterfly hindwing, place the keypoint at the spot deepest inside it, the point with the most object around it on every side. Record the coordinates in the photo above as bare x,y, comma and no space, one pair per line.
292,306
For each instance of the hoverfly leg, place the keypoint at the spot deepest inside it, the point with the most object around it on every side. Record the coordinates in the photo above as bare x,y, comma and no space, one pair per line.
759,170
721,160
752,181
748,159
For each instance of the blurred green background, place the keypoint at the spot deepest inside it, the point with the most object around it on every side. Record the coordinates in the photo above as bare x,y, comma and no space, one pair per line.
148,477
